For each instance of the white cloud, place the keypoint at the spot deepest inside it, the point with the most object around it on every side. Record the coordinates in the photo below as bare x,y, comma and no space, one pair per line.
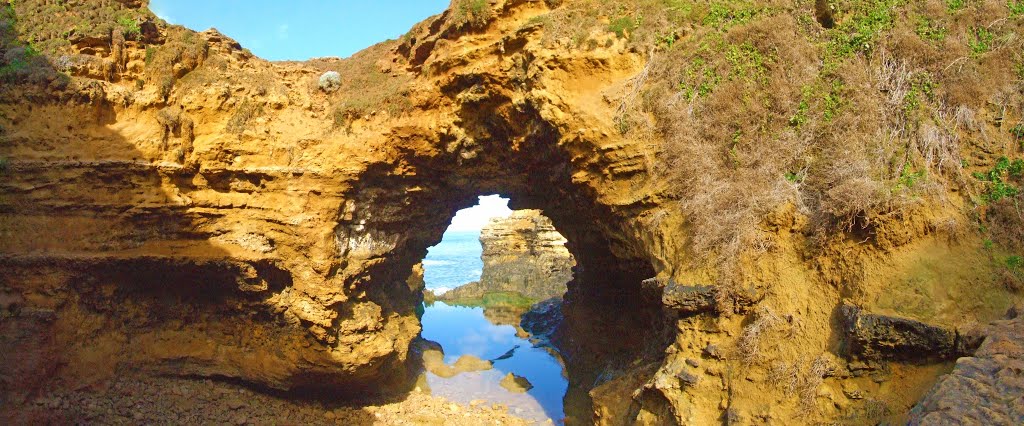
160,13
474,218
282,31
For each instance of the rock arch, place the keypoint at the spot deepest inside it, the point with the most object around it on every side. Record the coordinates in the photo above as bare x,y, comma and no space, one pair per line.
278,255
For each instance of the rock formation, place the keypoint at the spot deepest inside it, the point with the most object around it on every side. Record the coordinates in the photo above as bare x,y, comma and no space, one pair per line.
985,388
172,205
524,253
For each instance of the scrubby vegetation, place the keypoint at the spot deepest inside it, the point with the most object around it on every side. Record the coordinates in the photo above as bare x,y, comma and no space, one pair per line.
182,53
330,81
20,61
471,13
867,110
56,24
365,88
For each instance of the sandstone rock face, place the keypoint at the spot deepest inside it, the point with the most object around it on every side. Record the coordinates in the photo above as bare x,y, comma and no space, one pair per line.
171,204
985,388
524,253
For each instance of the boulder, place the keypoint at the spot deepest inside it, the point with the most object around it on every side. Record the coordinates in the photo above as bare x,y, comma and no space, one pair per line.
882,337
985,388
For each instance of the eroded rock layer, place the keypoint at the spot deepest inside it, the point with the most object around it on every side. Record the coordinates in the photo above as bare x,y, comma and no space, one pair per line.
524,253
171,204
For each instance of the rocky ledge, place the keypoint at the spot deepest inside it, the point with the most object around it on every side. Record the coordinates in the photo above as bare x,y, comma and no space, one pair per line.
985,388
524,253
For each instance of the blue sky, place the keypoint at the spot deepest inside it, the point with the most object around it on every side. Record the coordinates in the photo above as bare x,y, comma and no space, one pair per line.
301,29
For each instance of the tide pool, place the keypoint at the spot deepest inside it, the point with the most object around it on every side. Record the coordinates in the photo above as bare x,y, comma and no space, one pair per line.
490,333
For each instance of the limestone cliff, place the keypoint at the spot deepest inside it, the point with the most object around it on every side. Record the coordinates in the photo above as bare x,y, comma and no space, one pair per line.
524,253
728,178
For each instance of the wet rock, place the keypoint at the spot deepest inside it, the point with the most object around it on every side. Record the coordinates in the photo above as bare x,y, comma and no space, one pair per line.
467,363
516,384
433,361
542,320
882,337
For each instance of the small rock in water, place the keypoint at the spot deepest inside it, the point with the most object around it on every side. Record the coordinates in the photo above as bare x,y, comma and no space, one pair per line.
516,384
476,402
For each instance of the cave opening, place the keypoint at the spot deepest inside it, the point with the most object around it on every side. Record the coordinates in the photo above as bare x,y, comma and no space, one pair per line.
492,266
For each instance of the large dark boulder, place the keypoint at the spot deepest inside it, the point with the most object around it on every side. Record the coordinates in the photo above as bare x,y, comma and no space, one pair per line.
882,337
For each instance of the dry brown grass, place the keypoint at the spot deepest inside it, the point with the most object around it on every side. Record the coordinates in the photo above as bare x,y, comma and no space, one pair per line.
368,86
757,105
802,380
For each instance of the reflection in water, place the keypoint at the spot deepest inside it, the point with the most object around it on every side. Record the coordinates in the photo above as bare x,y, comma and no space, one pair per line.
466,331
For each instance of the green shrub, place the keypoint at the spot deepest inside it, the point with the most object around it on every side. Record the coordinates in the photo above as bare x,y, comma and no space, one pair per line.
861,31
921,84
908,177
833,100
800,118
700,79
1016,7
929,30
980,40
129,27
1014,262
955,5
747,63
1018,133
997,179
726,14
623,26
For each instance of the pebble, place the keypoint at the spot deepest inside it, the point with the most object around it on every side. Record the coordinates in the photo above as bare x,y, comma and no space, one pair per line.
235,404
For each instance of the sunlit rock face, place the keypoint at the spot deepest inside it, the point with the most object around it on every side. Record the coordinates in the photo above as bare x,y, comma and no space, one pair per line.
172,204
524,253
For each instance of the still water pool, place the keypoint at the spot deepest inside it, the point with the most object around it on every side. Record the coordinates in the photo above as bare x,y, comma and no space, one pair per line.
488,333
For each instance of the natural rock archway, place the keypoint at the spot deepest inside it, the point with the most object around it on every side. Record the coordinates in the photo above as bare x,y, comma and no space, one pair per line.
302,231
173,204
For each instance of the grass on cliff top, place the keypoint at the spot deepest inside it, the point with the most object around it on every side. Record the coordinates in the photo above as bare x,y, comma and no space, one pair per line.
854,114
20,60
368,86
51,25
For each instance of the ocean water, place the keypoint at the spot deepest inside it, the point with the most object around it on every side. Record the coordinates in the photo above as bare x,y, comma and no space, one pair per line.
466,330
454,261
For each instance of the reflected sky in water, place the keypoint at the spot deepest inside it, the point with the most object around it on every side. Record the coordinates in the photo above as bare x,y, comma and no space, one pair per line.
463,330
